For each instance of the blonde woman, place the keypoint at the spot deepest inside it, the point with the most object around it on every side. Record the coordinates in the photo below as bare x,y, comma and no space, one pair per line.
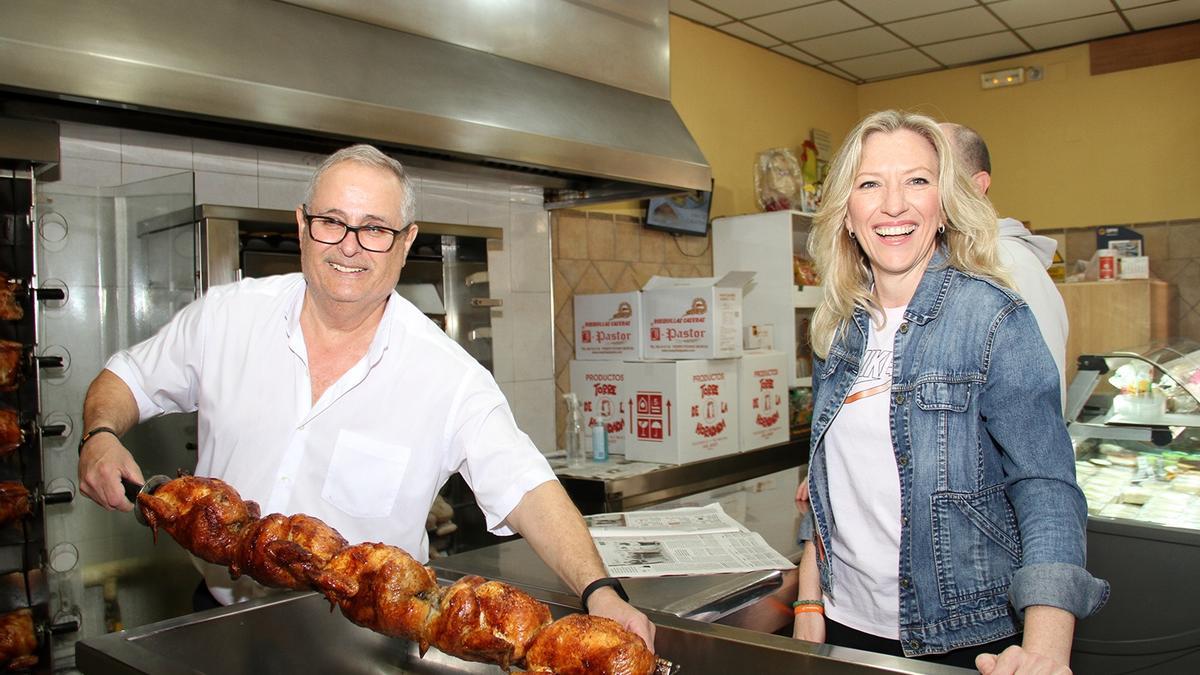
946,521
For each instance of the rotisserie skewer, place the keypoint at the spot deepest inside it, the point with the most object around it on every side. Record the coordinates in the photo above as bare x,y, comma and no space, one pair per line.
383,588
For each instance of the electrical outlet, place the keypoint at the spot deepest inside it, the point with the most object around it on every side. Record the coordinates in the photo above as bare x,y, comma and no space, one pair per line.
1034,73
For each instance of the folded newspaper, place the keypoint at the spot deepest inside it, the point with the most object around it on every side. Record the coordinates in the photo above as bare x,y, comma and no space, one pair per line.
691,540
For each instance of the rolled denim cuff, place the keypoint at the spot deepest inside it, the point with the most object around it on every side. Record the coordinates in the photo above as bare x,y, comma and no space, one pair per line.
1068,587
808,526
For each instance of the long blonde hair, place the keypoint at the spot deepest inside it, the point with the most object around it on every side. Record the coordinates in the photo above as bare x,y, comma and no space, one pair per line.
970,236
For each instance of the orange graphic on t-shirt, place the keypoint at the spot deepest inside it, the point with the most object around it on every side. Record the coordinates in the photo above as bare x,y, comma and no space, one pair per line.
868,392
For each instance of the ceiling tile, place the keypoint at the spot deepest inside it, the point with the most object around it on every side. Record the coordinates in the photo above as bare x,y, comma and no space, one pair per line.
1071,32
871,40
1126,4
949,26
1019,13
740,9
1166,14
832,70
885,65
811,21
689,9
980,48
884,11
747,33
793,53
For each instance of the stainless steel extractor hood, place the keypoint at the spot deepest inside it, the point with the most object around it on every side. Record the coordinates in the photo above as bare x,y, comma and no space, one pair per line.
289,67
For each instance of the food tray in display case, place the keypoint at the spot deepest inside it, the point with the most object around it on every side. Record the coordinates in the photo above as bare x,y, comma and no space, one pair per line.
1134,418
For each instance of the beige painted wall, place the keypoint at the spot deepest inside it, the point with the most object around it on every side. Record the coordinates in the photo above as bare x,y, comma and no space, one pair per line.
1073,150
737,99
1069,151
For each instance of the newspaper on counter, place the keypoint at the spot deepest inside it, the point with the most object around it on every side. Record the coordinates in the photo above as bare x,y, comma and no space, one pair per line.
707,519
694,540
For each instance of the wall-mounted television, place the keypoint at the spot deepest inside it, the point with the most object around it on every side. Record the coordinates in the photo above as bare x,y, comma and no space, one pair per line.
685,213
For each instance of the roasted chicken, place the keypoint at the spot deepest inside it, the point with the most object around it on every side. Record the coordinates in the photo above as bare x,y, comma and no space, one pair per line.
286,551
10,305
18,643
12,355
486,621
14,501
11,435
382,588
205,515
582,644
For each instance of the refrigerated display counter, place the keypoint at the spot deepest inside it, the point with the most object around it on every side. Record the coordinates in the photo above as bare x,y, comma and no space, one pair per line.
1134,419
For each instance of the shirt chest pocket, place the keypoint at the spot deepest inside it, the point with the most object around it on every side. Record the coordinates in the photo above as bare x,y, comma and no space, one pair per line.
365,475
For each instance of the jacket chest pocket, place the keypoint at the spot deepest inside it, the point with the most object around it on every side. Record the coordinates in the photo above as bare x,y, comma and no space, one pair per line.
976,544
365,475
944,396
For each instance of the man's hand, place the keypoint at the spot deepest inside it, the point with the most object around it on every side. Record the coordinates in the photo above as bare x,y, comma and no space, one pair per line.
1017,660
102,464
605,602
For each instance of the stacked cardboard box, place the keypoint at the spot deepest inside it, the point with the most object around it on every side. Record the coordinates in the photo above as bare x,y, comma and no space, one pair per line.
665,368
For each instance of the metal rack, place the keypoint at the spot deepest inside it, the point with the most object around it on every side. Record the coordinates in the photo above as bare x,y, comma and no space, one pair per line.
25,563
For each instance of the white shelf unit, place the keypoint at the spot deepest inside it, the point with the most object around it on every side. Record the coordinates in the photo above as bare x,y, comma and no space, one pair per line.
765,243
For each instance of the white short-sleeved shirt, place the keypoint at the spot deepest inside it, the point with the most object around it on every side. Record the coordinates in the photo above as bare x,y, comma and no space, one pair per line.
369,457
864,494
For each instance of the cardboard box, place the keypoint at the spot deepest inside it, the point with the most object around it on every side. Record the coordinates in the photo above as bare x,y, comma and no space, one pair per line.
600,386
762,399
758,336
693,318
682,411
608,326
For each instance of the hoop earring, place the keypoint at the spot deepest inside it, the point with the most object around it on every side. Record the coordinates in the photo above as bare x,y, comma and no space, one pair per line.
851,233
942,228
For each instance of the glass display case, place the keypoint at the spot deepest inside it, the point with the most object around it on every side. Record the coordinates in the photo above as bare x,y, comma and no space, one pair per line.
1134,417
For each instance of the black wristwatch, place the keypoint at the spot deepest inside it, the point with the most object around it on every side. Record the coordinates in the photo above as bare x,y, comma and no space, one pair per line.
87,435
611,582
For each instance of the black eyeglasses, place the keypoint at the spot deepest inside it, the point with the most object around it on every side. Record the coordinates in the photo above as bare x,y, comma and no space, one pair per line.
330,230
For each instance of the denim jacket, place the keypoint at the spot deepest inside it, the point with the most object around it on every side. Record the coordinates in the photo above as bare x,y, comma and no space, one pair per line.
992,520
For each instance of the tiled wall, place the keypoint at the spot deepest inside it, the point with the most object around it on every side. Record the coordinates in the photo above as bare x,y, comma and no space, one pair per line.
606,253
1174,251
96,160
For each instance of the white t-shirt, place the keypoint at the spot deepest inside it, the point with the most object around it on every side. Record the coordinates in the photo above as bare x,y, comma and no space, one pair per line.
864,495
367,458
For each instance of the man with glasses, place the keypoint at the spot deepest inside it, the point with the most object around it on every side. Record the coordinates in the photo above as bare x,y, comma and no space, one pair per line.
326,393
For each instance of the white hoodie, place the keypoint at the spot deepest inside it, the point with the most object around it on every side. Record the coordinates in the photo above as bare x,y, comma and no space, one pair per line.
1025,257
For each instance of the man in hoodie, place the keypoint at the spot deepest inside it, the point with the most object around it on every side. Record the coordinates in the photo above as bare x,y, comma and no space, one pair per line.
1024,255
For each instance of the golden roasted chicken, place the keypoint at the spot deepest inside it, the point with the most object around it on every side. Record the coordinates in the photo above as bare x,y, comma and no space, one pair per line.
10,305
487,621
286,551
582,644
14,501
11,435
205,515
12,356
383,588
18,643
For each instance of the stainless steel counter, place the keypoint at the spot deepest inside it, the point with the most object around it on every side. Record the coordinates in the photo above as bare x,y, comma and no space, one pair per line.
296,633
707,598
669,482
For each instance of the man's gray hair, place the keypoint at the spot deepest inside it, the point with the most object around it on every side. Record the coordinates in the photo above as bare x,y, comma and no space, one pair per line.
971,150
369,155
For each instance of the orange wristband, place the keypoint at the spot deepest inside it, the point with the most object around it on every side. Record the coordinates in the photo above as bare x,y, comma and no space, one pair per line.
808,609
